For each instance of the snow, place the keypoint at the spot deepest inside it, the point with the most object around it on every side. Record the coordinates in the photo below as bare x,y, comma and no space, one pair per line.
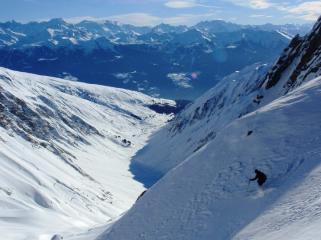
73,41
55,42
8,43
17,33
284,35
208,196
71,172
51,32
198,124
206,38
46,59
180,79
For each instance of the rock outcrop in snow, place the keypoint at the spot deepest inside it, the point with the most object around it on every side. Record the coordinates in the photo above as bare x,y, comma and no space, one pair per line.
300,62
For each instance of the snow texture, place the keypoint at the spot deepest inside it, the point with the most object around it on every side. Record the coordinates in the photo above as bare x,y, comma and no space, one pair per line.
65,153
208,196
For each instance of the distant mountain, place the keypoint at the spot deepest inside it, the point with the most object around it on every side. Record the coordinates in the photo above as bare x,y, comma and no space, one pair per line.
218,26
176,62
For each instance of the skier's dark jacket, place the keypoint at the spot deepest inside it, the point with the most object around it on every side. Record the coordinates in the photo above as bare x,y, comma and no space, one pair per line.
260,176
141,195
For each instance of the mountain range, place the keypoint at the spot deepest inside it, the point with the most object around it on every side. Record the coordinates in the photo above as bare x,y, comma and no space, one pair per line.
175,62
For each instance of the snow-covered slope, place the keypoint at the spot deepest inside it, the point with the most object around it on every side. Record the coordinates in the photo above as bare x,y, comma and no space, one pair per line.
200,122
65,151
212,148
208,196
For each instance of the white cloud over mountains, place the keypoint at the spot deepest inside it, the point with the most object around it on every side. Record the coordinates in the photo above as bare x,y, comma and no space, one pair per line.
306,10
186,4
146,19
260,9
309,11
181,4
255,4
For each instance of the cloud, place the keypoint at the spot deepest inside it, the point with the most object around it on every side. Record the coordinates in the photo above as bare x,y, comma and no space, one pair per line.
181,4
260,4
255,4
145,19
306,10
309,11
260,16
122,75
188,19
137,19
82,18
180,79
186,4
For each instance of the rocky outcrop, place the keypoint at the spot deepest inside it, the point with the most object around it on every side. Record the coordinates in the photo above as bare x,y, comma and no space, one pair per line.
300,61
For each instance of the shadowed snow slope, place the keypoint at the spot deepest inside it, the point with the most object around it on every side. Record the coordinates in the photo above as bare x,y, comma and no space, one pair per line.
210,150
208,195
199,123
65,151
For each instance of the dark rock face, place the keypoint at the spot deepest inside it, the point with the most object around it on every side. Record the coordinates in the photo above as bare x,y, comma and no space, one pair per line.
284,61
168,109
39,125
300,61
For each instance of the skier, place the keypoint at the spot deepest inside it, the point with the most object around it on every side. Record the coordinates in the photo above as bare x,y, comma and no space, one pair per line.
141,195
260,177
57,237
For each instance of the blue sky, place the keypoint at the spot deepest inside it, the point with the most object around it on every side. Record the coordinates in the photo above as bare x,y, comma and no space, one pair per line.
152,12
